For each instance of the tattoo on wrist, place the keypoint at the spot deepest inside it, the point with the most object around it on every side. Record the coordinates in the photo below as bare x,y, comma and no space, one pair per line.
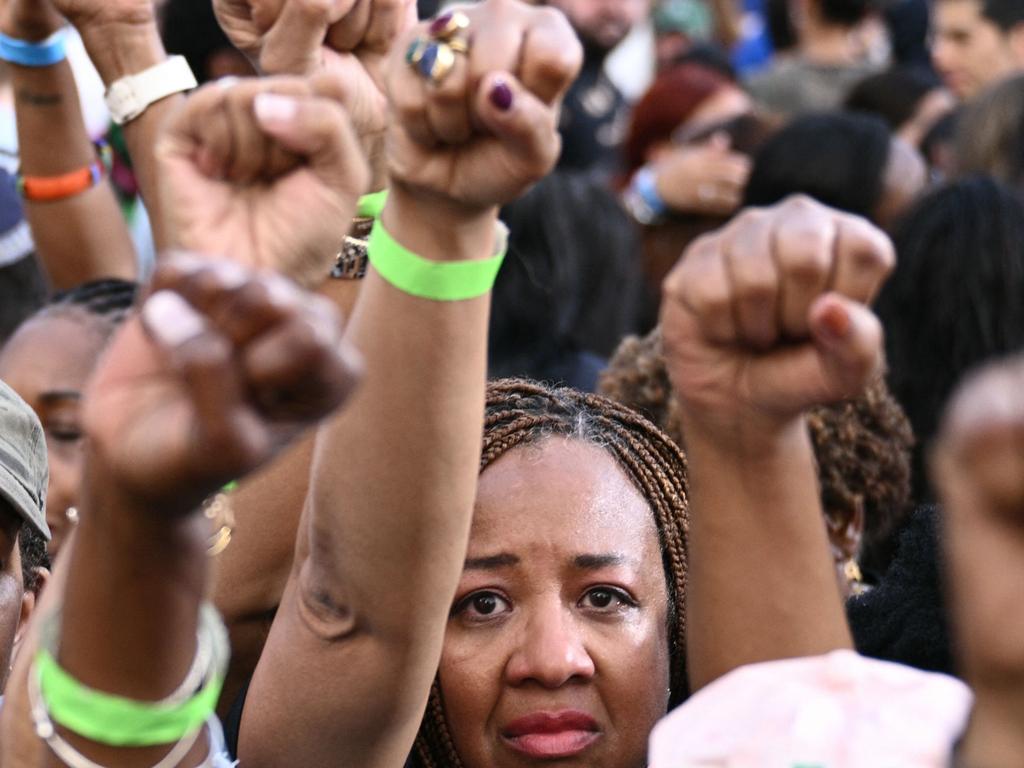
37,99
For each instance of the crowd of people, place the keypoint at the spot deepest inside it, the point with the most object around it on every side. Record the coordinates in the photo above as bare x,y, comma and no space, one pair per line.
382,384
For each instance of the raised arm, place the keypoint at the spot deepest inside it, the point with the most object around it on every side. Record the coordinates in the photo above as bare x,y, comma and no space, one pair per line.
979,470
347,39
79,235
187,397
348,666
122,39
761,321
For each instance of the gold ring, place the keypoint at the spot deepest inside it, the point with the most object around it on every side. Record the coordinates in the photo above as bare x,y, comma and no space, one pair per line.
433,59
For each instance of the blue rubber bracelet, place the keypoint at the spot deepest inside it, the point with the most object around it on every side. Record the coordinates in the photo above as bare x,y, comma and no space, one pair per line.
646,185
45,53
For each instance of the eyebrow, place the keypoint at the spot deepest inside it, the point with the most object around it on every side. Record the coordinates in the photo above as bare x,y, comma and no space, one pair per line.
60,394
596,562
491,563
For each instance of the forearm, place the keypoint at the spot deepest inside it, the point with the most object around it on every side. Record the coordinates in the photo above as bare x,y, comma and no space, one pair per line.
761,585
401,500
131,604
127,49
83,237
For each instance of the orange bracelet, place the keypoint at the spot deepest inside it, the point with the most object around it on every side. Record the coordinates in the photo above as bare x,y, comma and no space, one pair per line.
49,189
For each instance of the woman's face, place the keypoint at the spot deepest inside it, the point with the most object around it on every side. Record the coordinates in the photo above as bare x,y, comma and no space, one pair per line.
557,647
47,362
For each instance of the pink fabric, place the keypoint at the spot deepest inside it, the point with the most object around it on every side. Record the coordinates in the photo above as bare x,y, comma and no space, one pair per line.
836,711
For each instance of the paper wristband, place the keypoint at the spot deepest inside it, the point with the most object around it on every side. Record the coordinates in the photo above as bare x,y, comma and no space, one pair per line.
434,280
115,720
370,206
45,53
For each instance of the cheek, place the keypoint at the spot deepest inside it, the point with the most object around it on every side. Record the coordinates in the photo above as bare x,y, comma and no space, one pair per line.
471,675
633,667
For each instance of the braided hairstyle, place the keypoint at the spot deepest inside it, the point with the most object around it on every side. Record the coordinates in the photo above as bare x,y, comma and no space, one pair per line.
521,413
109,300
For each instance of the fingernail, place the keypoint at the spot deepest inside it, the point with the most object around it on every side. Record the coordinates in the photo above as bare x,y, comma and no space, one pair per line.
501,95
275,109
230,274
171,319
439,25
835,322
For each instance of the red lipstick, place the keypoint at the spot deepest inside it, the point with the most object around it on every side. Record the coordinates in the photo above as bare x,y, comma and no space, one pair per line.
552,735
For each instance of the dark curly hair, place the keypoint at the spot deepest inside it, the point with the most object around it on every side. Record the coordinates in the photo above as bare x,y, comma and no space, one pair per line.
862,446
521,413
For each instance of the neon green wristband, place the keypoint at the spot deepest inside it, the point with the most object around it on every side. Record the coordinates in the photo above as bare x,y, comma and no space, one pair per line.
434,280
370,206
121,722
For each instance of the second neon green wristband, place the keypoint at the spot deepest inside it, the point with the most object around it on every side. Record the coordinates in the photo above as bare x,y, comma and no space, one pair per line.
434,280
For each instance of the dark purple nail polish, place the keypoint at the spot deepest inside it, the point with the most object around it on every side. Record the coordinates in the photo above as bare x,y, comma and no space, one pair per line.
501,96
439,25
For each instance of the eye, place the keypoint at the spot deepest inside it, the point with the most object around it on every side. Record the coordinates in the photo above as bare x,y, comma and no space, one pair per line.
64,433
606,599
481,606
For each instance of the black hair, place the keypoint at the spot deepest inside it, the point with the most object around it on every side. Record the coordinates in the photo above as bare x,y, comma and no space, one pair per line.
571,284
780,26
710,56
847,13
34,556
955,299
893,95
838,159
22,293
110,299
190,28
1005,14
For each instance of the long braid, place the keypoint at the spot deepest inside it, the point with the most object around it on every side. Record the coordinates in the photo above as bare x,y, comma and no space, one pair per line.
523,412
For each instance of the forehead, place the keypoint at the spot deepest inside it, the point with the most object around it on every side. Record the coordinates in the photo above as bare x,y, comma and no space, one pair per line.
51,352
959,14
563,496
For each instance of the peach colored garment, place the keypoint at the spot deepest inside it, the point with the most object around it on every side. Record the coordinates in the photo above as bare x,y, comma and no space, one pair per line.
836,711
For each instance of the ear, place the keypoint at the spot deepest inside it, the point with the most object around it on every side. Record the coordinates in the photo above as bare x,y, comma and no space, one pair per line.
845,531
29,601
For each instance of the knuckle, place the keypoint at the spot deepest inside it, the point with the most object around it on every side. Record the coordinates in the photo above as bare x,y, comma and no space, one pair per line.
805,265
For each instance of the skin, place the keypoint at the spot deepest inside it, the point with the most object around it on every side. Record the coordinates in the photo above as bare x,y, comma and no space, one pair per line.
932,108
542,634
47,362
906,175
970,52
603,23
15,603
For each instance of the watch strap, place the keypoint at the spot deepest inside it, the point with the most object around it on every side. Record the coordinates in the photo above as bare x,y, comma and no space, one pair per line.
130,96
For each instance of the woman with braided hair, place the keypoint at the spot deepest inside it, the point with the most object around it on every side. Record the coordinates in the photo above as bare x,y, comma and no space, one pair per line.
566,636
48,361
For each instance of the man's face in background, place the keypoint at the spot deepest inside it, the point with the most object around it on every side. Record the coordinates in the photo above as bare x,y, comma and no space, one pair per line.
603,24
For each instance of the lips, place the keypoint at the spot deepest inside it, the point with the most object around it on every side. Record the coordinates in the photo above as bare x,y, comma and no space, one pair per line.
551,735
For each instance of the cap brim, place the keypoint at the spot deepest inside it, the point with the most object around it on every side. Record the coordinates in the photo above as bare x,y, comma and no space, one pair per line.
22,502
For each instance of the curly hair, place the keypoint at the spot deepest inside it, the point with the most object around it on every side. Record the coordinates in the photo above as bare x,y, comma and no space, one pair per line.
862,446
521,413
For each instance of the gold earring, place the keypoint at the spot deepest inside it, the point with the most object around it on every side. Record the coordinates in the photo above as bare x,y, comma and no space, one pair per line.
853,574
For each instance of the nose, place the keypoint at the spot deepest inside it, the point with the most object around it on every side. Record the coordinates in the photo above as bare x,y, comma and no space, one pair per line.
551,650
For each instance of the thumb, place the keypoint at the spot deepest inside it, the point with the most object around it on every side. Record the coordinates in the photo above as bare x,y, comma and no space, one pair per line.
519,119
319,130
292,46
849,340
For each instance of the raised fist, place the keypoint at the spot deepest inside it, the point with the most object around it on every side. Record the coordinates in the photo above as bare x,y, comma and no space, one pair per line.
222,367
770,316
265,172
481,133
